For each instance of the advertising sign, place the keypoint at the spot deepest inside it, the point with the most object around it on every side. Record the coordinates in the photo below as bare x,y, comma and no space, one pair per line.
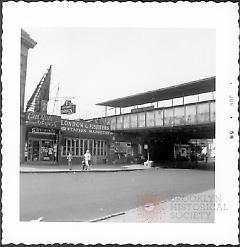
68,107
84,127
42,120
147,108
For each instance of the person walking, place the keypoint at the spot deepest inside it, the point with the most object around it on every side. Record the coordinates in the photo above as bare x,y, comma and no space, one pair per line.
69,158
87,159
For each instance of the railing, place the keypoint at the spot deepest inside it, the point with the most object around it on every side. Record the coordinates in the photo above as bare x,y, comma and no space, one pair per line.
188,114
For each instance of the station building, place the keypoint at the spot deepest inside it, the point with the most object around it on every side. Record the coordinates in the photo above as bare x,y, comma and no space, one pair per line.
164,124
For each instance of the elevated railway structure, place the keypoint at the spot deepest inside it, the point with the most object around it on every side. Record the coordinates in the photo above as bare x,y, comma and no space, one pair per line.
160,127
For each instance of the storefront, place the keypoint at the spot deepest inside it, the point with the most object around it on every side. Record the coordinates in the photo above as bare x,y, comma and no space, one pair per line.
79,136
42,137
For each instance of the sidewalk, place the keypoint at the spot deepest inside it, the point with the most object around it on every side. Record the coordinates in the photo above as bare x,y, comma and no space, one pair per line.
193,208
29,168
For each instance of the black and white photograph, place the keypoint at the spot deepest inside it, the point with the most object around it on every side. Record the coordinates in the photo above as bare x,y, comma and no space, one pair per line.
129,105
122,124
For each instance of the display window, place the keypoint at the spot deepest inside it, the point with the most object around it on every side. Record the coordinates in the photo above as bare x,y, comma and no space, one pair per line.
41,150
78,147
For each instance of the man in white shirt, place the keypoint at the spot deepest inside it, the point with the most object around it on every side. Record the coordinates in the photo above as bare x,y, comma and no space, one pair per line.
87,158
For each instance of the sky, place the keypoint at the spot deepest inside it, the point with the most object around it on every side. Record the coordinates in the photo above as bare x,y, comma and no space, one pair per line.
99,64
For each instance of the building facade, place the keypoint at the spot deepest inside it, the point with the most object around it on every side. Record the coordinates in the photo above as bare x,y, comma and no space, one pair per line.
49,139
26,43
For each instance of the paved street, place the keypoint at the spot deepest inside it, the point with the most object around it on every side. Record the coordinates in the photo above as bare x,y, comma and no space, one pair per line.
87,196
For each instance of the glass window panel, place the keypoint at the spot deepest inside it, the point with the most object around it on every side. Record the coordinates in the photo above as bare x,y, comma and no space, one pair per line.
90,146
81,147
141,119
77,147
134,120
98,147
150,118
119,122
105,148
178,101
159,118
73,147
126,121
212,111
64,151
85,146
191,114
203,112
179,118
113,123
94,147
68,146
205,96
168,117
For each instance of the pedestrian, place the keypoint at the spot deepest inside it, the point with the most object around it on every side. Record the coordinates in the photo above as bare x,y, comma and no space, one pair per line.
69,158
83,165
87,159
206,158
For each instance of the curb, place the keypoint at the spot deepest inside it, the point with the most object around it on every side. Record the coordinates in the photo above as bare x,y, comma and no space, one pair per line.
107,217
74,171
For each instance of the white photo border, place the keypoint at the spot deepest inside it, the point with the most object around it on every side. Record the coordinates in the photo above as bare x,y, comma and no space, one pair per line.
220,16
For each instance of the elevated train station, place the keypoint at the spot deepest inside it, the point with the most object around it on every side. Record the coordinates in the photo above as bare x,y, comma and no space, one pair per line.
166,123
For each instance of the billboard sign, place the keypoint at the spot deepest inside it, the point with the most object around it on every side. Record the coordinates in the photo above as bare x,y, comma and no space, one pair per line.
68,107
42,120
84,127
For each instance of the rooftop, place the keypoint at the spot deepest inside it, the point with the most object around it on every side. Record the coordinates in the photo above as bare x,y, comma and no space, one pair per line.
27,40
186,89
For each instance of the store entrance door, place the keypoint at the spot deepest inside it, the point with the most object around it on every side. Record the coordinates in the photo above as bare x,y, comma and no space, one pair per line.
47,150
35,150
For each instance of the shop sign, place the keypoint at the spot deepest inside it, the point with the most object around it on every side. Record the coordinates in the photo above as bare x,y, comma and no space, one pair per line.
147,108
43,131
145,146
84,127
42,120
68,107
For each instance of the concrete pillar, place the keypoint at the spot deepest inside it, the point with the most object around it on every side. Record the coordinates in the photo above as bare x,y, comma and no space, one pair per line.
26,44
